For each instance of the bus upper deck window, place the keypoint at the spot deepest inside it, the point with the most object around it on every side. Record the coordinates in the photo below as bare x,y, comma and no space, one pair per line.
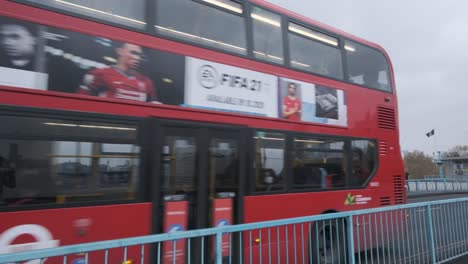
128,13
267,35
219,24
367,67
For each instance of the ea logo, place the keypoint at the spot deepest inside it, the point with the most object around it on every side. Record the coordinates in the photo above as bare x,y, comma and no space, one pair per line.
222,222
41,234
207,76
79,261
175,228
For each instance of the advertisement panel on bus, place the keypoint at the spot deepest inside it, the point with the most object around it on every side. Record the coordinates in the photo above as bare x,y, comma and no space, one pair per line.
47,58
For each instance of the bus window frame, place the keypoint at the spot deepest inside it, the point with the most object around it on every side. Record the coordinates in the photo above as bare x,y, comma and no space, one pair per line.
245,11
240,2
345,152
145,29
289,148
252,179
337,47
389,75
376,157
251,41
141,190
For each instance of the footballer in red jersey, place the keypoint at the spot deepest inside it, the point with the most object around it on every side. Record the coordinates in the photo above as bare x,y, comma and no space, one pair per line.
120,81
291,104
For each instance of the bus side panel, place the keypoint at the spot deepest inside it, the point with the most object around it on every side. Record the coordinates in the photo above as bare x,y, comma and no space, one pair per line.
272,207
39,229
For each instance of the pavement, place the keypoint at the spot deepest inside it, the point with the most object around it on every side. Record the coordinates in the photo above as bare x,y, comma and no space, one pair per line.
462,260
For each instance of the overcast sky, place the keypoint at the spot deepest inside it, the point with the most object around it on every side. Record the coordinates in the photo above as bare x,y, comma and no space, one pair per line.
427,41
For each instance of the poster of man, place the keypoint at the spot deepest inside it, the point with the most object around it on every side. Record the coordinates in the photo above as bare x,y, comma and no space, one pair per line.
17,45
291,107
122,80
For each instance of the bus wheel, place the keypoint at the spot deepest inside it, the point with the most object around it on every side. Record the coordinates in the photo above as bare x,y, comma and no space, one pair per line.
328,242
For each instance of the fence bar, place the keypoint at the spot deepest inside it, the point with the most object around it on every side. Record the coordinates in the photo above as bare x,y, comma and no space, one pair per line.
219,247
431,233
428,232
260,244
465,223
376,237
317,246
174,253
188,251
393,237
287,243
350,229
269,246
203,249
142,260
364,224
250,246
371,238
302,245
338,239
125,255
241,255
159,253
295,244
345,235
310,243
106,256
278,242
230,248
388,237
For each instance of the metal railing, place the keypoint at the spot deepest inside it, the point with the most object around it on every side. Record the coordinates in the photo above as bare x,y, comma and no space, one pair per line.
436,185
427,232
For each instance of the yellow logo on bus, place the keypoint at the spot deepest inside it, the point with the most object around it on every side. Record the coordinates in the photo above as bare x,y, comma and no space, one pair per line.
350,199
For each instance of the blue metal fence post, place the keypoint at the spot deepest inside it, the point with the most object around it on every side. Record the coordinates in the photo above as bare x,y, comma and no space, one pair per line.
350,239
219,247
431,233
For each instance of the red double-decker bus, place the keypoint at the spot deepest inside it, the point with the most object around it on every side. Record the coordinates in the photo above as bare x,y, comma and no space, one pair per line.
128,118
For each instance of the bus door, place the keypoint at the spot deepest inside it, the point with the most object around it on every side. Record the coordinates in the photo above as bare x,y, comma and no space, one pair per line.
200,180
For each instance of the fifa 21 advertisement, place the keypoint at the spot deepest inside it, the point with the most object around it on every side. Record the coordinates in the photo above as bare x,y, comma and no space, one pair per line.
47,58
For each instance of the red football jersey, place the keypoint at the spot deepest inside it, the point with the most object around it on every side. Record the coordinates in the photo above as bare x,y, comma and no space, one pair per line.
289,105
114,83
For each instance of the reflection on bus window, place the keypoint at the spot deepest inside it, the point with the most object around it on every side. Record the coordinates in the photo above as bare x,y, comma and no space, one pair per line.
222,27
269,161
318,170
314,52
23,125
129,13
363,161
84,165
267,35
318,143
66,171
367,66
223,167
318,163
179,165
